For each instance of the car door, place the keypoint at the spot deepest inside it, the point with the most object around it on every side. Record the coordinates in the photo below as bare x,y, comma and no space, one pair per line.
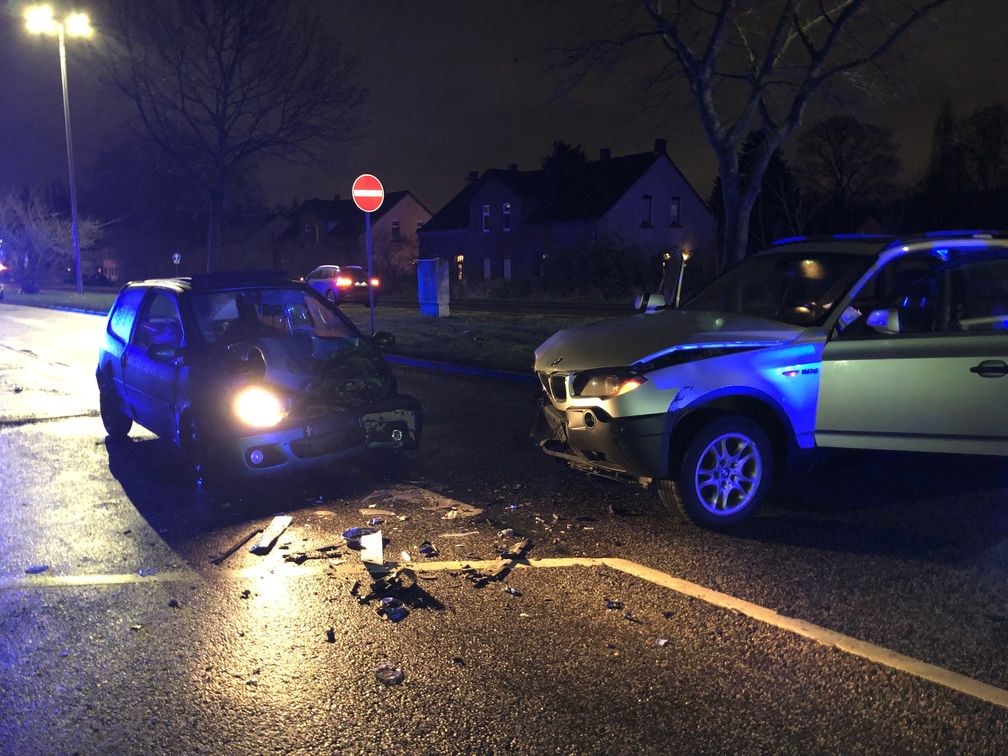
151,363
940,383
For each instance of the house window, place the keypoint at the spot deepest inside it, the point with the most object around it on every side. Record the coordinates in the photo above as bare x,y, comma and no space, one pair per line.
646,221
674,212
506,216
507,268
486,268
396,231
459,267
486,219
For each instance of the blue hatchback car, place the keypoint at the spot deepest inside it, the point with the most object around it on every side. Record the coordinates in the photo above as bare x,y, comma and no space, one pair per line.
249,374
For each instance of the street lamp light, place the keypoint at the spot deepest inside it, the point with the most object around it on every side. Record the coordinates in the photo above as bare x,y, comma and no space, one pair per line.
39,19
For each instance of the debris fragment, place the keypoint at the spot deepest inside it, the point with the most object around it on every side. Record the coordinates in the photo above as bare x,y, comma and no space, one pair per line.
372,550
174,604
506,533
136,628
245,594
375,522
388,674
405,556
668,614
517,551
147,571
661,642
355,587
392,609
512,590
330,635
428,549
36,569
273,531
218,559
370,511
463,534
613,604
322,552
353,536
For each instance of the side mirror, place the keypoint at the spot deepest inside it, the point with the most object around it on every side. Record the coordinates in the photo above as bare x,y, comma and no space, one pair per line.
383,340
163,352
884,321
649,302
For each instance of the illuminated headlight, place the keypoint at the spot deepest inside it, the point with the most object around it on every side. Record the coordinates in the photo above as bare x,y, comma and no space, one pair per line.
258,408
605,383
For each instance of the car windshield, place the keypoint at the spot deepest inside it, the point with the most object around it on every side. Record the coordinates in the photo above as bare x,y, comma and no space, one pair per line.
799,288
244,314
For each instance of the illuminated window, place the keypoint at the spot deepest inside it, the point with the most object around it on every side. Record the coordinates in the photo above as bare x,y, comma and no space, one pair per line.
674,212
486,268
459,266
646,221
486,219
506,216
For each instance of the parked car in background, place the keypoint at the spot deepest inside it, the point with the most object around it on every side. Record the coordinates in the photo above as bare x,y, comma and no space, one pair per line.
249,373
343,283
866,343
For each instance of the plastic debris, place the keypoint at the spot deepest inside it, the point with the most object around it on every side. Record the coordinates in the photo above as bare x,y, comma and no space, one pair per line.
147,571
136,628
405,556
518,550
354,535
388,674
462,534
36,569
322,552
428,549
174,604
511,590
371,511
668,614
613,604
372,549
245,594
661,642
392,609
330,635
506,533
375,521
275,529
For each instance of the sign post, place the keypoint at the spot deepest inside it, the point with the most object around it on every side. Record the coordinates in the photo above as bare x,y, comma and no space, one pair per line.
176,258
368,194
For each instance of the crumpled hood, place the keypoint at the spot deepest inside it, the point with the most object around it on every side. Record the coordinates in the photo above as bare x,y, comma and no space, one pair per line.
320,369
622,342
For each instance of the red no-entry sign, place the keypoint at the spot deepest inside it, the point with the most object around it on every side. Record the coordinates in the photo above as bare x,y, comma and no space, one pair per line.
367,192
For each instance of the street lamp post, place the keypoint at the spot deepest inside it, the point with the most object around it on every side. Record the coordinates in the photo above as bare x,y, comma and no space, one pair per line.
39,20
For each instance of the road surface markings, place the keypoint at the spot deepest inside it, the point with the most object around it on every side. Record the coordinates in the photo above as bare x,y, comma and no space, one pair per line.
815,633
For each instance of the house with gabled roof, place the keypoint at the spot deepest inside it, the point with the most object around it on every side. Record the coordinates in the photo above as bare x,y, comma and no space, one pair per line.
331,232
504,223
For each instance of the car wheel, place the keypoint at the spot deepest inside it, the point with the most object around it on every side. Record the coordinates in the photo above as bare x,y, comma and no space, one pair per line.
331,296
117,423
725,475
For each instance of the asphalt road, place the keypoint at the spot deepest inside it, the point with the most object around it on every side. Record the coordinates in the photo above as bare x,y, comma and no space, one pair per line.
133,640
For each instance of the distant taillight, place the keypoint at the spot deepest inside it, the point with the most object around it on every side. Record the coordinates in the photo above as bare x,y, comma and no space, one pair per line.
375,282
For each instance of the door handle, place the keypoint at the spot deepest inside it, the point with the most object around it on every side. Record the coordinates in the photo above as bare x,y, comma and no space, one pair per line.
990,369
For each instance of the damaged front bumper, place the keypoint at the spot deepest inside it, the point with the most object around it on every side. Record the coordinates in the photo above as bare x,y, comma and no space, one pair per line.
391,424
633,449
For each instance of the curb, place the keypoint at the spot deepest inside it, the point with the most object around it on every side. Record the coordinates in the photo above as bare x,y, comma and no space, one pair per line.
417,362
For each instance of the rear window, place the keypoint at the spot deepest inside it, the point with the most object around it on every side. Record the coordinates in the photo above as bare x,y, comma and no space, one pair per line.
124,312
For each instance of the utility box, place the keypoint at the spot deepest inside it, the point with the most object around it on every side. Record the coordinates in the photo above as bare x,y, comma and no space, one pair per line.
432,287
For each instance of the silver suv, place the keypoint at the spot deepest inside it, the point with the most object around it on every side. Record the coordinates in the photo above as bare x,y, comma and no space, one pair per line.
855,342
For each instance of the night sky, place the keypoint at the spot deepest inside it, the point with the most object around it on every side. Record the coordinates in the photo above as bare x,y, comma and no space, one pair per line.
460,85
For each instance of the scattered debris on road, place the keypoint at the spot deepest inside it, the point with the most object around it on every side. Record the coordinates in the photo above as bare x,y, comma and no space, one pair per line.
463,534
388,674
373,551
613,604
322,552
428,549
392,609
353,536
511,590
330,635
36,569
147,571
173,604
661,642
245,594
275,529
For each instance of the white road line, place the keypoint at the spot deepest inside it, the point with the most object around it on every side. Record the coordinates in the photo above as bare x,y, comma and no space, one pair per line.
815,633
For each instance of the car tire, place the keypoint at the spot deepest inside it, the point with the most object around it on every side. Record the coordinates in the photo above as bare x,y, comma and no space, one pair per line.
725,474
117,423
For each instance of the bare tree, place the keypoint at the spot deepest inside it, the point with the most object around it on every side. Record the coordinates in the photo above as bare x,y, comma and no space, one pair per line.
850,165
754,65
37,238
219,84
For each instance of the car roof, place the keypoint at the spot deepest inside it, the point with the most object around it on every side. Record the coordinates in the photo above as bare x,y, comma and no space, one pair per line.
220,281
876,244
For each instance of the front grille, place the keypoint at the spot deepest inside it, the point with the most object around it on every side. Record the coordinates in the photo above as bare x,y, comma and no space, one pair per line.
558,387
306,448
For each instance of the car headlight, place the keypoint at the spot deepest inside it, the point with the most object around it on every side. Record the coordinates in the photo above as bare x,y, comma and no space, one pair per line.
605,383
258,407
